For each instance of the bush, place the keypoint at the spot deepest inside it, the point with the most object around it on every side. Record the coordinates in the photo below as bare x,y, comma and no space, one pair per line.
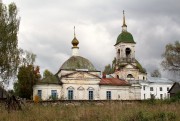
36,98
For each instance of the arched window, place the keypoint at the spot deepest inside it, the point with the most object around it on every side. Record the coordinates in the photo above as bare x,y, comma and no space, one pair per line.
128,52
70,93
80,88
90,88
118,76
91,93
118,54
70,88
130,77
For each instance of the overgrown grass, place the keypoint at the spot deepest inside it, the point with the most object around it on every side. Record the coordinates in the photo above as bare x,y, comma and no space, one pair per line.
109,111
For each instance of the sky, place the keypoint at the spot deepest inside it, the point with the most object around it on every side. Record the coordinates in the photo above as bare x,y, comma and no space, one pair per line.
46,29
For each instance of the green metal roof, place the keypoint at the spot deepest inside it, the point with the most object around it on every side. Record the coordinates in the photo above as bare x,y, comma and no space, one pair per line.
77,62
125,37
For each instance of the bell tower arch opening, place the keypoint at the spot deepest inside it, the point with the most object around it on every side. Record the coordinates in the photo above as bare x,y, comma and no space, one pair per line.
128,52
118,54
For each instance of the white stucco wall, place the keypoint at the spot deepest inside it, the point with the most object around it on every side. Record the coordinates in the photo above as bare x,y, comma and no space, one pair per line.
117,92
46,90
135,91
80,91
146,93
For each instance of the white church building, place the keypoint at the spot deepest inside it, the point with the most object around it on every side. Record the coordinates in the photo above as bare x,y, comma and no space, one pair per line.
78,79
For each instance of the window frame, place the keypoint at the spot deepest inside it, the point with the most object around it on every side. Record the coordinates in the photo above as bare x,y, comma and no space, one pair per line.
108,95
70,94
39,93
144,87
54,94
160,89
91,95
151,89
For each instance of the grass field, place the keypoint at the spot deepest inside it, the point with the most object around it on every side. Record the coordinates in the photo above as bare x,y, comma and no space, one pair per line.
108,111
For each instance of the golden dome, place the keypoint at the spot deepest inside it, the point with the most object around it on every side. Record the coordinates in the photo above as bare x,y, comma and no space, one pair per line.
75,42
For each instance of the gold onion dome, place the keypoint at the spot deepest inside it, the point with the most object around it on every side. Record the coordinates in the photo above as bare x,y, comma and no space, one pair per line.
75,42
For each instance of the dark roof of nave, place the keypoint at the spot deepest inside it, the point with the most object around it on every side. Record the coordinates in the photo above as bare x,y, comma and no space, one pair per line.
53,79
125,37
77,62
113,82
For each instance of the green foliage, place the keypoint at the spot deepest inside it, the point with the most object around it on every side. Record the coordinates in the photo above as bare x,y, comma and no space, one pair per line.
26,57
47,73
9,53
27,77
171,57
53,97
176,97
108,69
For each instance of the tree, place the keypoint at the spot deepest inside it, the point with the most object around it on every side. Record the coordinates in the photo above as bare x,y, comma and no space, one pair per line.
171,57
156,73
26,58
9,53
108,69
27,76
47,73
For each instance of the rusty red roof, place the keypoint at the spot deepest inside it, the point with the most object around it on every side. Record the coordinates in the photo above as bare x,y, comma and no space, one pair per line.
114,82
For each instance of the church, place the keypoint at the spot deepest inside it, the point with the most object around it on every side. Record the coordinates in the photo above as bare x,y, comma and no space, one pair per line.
78,79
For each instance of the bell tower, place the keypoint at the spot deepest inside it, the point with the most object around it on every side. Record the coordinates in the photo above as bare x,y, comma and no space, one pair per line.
125,45
126,65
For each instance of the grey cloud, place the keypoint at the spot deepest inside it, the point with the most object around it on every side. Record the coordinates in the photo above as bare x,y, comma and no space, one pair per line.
47,29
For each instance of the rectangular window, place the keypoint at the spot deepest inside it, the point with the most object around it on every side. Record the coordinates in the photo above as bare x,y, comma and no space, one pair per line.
144,96
54,94
167,88
39,94
108,95
144,87
161,96
151,88
160,89
91,95
70,94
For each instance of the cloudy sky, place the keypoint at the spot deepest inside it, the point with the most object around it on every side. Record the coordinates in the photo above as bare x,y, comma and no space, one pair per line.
46,29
